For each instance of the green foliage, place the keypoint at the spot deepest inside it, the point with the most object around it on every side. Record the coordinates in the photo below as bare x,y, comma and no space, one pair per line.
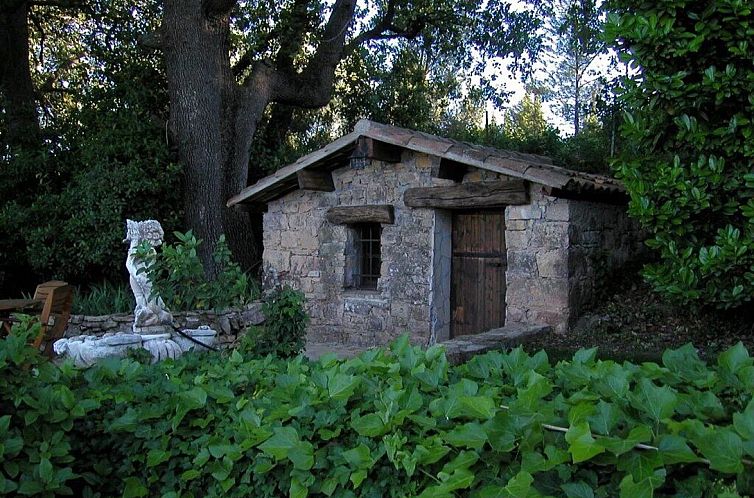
284,331
39,405
178,277
103,299
689,169
395,422
105,157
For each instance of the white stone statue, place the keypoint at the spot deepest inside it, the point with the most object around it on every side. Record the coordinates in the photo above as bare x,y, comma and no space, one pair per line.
150,314
85,350
153,324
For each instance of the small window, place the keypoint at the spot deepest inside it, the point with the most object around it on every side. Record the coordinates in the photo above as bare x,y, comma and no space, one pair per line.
366,256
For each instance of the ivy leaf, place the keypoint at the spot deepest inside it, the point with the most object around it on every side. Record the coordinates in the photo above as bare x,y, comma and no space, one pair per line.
744,422
469,435
520,484
577,490
674,449
605,418
369,425
582,445
723,448
642,489
734,358
193,398
285,443
480,407
657,402
359,457
341,386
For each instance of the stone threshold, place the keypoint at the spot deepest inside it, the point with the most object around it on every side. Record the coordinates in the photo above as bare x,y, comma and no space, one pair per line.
457,350
463,348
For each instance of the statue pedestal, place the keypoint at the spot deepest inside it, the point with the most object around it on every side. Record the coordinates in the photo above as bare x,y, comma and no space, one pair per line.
153,330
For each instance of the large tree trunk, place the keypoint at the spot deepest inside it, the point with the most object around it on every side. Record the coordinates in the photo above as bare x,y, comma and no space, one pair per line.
214,118
206,119
15,76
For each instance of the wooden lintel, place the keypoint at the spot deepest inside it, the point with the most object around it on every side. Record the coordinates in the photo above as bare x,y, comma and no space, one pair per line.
251,207
368,148
347,215
469,195
310,179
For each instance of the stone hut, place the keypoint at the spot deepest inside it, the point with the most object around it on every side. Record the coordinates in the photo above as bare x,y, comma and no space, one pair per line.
388,230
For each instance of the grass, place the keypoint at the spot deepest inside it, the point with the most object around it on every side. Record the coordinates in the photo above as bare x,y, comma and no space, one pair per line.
103,299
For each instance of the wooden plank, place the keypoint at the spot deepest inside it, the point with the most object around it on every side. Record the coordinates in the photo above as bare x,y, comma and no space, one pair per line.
468,195
369,148
342,215
321,181
478,272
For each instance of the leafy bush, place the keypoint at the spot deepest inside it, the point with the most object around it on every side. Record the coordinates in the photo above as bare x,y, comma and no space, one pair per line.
39,405
689,171
104,299
284,331
397,422
178,277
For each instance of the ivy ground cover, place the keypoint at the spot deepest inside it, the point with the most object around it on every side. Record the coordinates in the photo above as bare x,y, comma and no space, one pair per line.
393,422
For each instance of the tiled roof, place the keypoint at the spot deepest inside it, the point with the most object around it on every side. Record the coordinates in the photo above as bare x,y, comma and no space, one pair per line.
533,168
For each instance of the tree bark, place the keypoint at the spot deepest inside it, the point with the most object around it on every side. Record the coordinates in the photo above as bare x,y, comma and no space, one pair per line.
214,118
15,76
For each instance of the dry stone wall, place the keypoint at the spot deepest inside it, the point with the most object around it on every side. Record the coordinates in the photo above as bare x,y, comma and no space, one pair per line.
228,323
559,252
303,249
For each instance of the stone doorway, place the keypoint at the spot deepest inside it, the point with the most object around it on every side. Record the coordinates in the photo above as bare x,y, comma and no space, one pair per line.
479,263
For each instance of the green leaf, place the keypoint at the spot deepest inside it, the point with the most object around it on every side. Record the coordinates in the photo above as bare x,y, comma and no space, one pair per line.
341,386
156,457
723,448
642,489
29,488
657,402
520,484
744,422
469,435
479,407
369,425
582,445
283,439
193,398
577,490
46,470
133,488
734,358
674,449
359,457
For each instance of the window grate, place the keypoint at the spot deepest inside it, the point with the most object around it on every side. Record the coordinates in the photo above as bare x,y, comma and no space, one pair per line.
367,243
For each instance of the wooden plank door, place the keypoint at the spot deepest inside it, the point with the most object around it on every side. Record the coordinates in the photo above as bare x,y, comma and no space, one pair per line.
477,297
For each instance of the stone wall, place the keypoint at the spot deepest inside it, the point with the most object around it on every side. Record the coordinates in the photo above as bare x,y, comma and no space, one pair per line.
537,243
228,323
305,250
602,239
559,252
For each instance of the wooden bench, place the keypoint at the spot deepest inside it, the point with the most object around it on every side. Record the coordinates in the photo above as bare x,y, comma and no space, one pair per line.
53,300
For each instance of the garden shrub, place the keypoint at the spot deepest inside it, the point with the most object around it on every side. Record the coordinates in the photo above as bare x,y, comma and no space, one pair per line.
689,167
391,422
284,331
103,299
178,277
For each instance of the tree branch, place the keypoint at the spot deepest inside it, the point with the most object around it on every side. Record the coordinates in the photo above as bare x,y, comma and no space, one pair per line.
386,29
312,88
216,8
